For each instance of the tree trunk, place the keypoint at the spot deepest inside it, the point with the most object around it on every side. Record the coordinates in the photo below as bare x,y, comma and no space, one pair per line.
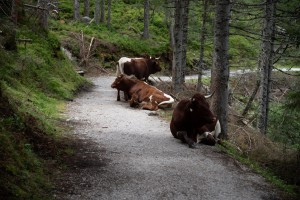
202,41
97,12
249,103
76,10
146,19
220,69
86,9
102,11
180,41
43,14
266,64
11,8
108,13
184,35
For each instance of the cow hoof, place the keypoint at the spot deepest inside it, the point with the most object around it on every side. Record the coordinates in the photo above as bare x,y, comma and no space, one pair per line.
192,145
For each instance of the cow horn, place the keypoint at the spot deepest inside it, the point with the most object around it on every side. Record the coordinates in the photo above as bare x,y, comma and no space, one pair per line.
208,96
157,58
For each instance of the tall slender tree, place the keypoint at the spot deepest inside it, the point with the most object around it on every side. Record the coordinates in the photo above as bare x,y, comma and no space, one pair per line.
220,69
266,64
180,43
102,11
43,14
108,13
76,10
146,19
202,41
86,8
97,12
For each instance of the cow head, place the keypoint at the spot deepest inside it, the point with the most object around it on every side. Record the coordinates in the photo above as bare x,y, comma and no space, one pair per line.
123,82
153,64
198,109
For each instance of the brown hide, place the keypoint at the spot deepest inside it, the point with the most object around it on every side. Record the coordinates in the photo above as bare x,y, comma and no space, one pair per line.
140,92
142,68
192,117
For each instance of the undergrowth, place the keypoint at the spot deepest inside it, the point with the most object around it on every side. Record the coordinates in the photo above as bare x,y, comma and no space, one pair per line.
34,83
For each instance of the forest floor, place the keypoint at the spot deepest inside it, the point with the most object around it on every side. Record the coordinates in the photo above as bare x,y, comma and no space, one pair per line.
128,153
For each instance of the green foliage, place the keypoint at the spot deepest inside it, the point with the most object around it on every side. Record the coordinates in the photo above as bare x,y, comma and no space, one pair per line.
22,175
243,52
293,102
34,82
284,125
125,31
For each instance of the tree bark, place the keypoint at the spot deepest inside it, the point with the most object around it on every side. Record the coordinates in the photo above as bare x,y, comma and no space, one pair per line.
266,64
76,10
12,6
249,103
202,41
43,14
220,69
97,12
108,13
146,19
102,11
180,44
86,8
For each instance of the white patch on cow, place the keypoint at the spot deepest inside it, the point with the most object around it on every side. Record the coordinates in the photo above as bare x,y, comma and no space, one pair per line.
120,65
215,133
151,96
170,101
202,136
193,99
217,130
191,110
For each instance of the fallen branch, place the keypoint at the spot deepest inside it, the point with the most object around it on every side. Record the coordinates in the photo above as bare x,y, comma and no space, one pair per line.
35,7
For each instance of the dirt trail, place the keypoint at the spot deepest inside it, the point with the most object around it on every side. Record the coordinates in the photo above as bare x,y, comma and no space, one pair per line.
131,155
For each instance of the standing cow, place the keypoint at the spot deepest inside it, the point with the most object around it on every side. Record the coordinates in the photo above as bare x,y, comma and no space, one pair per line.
141,68
141,93
192,121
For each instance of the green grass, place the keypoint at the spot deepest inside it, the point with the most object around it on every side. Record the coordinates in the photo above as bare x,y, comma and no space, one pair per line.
34,84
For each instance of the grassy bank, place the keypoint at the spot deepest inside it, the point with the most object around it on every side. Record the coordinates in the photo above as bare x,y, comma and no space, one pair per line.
35,82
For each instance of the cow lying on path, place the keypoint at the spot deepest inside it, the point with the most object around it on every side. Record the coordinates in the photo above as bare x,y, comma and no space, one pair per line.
141,68
192,121
149,97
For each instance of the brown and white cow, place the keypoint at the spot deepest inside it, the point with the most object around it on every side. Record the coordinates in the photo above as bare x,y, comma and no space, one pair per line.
149,97
141,68
193,122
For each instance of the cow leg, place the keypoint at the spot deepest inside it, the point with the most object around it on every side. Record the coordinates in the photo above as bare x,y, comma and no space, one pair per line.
126,96
133,102
149,106
184,137
208,139
118,97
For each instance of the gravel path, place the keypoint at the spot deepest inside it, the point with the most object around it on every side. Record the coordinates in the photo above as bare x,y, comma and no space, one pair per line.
128,154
